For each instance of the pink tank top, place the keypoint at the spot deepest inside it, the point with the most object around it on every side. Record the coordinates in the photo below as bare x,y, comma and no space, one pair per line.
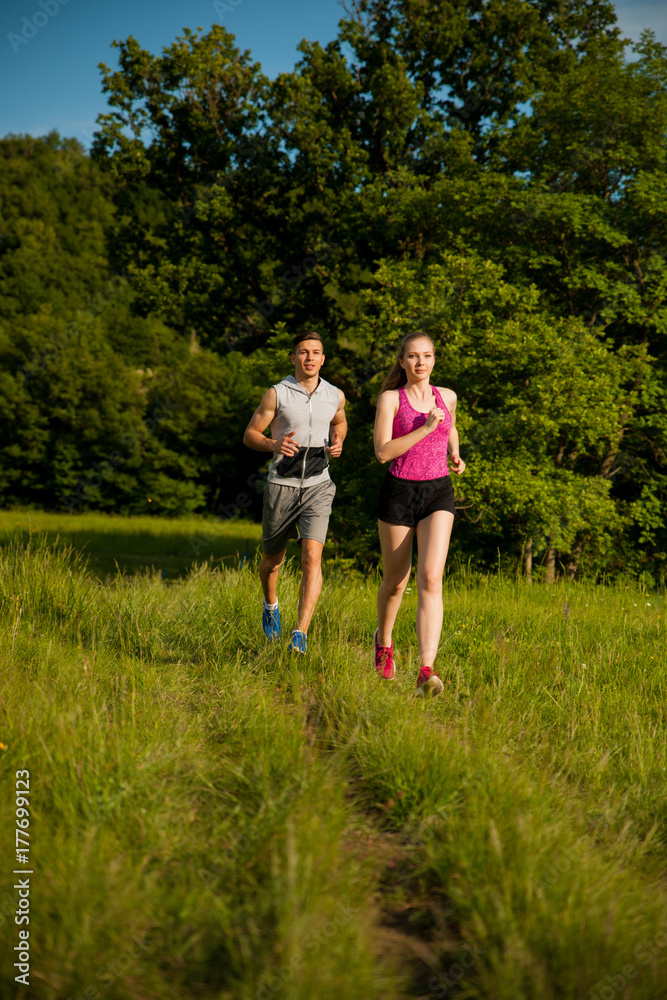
428,458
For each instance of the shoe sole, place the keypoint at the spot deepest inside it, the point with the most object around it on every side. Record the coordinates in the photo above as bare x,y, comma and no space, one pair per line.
430,688
381,676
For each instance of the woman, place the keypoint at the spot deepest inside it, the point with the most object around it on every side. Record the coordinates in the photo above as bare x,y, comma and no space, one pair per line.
414,427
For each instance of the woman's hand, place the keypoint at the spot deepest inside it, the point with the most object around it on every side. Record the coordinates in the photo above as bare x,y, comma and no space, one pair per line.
435,417
456,463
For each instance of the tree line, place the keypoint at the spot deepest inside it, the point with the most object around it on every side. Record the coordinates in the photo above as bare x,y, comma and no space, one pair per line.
492,173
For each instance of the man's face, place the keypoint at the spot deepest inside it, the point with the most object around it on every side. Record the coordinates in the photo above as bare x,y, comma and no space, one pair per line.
307,359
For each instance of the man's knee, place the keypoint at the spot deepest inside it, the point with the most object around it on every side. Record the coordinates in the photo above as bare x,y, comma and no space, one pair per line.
270,563
311,558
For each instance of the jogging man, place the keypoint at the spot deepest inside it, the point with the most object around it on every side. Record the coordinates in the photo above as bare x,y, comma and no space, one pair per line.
307,420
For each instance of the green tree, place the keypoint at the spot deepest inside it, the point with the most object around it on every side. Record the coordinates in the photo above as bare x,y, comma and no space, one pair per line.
197,196
86,415
543,400
493,171
55,212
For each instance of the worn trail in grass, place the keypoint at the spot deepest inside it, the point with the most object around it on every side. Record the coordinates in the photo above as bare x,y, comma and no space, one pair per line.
212,817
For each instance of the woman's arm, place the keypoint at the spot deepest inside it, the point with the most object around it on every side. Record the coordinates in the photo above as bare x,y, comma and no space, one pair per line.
457,463
387,449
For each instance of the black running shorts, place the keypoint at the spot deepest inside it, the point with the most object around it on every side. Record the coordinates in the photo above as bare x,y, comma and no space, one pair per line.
407,501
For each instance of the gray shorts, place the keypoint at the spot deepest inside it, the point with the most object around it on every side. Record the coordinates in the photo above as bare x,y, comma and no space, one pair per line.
287,508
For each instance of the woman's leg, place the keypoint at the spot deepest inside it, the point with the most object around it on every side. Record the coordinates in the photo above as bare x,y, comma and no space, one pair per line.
433,534
396,543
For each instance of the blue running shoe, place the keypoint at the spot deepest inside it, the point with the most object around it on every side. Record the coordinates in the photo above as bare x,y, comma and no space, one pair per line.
271,622
297,642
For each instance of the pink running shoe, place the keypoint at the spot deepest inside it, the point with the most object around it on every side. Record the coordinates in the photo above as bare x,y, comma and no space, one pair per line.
428,683
384,659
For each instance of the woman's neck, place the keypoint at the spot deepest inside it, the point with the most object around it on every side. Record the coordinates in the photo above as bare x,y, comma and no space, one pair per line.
419,389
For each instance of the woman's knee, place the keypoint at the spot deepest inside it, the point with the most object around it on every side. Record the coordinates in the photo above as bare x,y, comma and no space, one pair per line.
430,581
395,585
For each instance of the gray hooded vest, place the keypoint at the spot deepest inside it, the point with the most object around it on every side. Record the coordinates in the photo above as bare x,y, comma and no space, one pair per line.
309,417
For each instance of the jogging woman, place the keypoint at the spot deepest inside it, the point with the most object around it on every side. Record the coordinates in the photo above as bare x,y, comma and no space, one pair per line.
414,428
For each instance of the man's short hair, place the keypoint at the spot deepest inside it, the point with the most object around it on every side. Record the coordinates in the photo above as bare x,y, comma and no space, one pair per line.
310,335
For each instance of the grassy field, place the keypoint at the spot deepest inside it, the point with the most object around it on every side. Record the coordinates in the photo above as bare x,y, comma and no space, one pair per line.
213,818
131,544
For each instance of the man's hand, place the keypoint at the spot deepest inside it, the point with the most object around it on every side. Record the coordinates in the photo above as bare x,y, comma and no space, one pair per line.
456,462
285,445
336,447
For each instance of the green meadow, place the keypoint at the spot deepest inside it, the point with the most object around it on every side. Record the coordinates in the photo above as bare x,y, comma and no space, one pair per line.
112,544
210,817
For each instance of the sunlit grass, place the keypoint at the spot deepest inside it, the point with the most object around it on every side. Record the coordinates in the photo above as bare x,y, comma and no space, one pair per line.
170,546
212,817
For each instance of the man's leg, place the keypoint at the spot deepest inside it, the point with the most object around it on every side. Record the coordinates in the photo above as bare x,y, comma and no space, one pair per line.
311,581
268,574
313,522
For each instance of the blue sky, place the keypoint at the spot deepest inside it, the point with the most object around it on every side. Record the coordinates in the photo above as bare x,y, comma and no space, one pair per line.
51,81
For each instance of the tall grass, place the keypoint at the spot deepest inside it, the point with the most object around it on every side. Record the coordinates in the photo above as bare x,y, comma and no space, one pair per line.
212,817
169,546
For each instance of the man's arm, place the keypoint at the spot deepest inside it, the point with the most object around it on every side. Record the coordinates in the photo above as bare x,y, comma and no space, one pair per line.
338,428
254,436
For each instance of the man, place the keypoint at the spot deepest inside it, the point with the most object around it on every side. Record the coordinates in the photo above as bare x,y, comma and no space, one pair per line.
304,413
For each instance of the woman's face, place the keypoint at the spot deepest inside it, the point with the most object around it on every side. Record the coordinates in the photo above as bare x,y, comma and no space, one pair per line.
418,359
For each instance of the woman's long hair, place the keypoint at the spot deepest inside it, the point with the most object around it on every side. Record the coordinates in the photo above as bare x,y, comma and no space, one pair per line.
396,377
